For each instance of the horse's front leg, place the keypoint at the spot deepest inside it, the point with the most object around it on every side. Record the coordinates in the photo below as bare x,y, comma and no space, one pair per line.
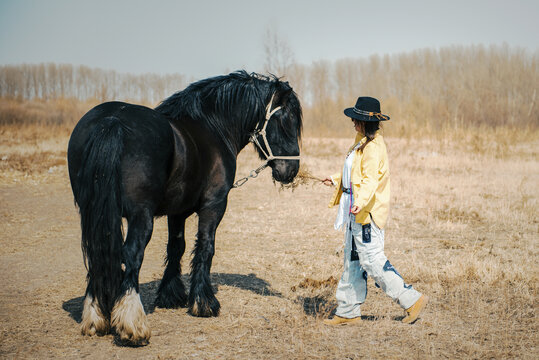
202,301
128,316
171,292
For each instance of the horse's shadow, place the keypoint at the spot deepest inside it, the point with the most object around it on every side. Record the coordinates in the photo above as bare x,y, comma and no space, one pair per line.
148,291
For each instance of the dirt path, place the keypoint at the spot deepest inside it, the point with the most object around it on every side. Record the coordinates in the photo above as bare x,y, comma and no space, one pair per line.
277,260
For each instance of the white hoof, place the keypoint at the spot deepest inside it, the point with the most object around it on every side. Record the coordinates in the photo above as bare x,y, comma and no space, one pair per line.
93,321
129,319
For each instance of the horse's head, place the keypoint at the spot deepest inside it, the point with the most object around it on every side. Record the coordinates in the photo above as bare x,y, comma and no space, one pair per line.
282,129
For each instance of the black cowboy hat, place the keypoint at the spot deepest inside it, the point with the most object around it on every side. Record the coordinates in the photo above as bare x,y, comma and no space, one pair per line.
366,109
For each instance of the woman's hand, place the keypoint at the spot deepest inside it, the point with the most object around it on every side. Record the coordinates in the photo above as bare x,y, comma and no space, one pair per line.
355,210
327,181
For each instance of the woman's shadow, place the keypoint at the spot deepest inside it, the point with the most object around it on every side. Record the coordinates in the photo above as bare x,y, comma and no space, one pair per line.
148,291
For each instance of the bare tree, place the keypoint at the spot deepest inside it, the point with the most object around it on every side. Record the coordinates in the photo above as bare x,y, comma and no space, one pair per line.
279,55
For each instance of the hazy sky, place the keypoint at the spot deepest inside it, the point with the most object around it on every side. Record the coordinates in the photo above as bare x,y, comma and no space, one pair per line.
201,38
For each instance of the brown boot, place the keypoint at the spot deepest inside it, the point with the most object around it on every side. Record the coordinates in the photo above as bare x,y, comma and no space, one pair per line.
337,320
413,311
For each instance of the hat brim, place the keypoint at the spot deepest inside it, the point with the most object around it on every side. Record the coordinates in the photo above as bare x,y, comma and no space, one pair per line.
352,114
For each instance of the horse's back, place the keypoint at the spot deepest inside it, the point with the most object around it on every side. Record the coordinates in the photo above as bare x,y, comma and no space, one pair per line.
140,122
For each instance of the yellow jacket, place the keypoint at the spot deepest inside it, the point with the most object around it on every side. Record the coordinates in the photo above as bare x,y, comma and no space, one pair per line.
370,182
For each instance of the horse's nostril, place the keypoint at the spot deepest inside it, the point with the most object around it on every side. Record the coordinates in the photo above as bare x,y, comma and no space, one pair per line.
291,177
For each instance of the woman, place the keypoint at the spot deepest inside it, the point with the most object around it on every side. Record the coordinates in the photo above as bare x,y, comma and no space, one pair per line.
362,193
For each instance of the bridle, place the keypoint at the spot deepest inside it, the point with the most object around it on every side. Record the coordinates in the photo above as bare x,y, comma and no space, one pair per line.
269,154
262,132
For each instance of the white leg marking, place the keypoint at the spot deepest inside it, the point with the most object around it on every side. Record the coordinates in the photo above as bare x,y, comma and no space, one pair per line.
129,319
194,308
93,321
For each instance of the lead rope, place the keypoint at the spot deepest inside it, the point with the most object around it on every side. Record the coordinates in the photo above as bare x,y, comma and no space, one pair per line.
269,155
253,174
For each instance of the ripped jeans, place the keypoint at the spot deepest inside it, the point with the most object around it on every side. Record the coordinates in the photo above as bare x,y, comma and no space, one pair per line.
364,256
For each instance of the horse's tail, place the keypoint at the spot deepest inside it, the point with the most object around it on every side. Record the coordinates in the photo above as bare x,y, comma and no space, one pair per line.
99,196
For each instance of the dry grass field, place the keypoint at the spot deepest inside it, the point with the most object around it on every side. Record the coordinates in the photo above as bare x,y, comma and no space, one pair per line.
464,229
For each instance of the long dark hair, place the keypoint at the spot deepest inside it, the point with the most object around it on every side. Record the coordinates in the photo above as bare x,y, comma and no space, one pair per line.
369,130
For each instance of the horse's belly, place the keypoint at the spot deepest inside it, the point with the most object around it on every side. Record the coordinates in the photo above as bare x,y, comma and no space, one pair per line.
178,199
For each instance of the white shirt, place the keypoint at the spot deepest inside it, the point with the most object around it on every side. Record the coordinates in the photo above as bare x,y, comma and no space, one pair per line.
343,214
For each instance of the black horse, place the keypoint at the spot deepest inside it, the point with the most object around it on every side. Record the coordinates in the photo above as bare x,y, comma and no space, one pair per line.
134,162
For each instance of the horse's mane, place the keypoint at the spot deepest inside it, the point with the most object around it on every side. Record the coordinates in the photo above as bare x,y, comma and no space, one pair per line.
228,104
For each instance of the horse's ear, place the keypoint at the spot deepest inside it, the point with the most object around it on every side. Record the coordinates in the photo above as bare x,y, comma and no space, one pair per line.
282,94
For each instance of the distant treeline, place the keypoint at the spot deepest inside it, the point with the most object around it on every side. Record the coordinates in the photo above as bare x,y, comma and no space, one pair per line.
454,87
59,81
449,88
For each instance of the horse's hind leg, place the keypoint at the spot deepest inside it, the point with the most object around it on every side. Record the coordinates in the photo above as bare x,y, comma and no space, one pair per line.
128,317
93,321
171,292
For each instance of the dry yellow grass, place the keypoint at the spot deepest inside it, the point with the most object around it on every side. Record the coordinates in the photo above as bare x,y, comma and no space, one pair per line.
464,229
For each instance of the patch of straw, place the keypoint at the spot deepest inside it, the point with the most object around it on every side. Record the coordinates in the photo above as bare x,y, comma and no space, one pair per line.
304,177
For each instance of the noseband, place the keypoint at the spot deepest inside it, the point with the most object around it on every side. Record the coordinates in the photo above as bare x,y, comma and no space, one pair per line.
262,132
